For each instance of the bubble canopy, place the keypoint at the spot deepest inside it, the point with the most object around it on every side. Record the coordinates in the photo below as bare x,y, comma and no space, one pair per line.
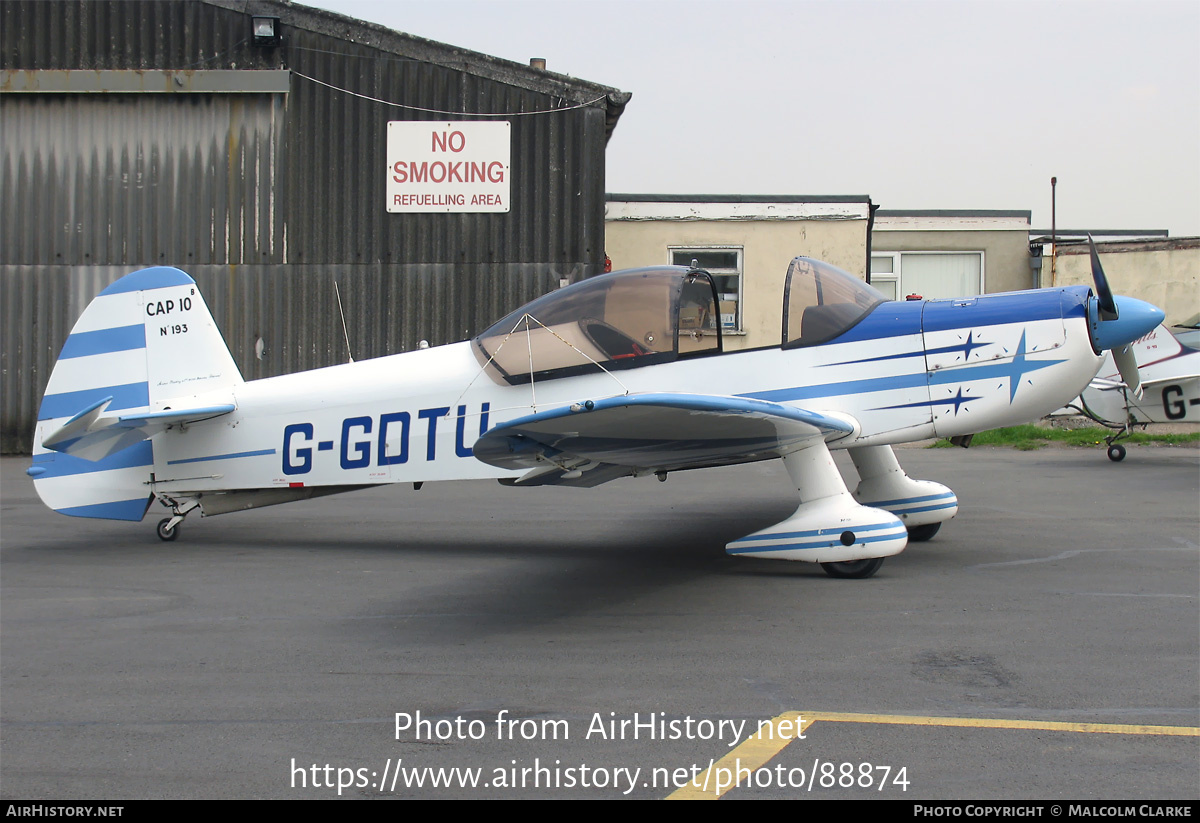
821,302
622,320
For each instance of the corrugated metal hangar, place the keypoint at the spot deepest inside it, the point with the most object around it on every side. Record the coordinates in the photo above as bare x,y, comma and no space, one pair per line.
248,143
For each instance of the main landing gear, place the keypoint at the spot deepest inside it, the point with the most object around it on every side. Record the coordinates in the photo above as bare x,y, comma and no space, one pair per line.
829,527
851,535
920,534
853,569
862,569
168,527
921,504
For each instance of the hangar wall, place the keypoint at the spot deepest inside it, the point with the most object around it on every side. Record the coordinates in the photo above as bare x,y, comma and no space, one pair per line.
269,196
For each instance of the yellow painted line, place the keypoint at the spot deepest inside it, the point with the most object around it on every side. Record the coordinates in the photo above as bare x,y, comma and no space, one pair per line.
783,729
751,755
993,723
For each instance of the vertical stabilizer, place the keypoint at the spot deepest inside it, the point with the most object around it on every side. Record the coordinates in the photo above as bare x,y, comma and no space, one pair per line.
145,343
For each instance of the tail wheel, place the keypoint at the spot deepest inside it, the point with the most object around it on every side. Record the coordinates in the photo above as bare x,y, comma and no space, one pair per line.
1116,452
854,569
166,531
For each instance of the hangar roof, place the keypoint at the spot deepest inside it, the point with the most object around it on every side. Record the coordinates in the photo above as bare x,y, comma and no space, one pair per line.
540,81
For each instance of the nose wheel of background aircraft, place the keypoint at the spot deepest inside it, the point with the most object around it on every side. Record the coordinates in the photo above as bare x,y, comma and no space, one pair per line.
854,569
1116,452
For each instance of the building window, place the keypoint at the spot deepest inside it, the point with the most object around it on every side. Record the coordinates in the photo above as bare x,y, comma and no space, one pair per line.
885,275
934,275
724,263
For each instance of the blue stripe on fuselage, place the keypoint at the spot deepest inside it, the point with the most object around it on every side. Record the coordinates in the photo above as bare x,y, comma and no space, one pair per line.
230,456
871,384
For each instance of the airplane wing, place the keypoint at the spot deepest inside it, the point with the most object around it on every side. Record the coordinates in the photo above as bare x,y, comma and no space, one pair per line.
92,435
592,442
1171,378
1109,384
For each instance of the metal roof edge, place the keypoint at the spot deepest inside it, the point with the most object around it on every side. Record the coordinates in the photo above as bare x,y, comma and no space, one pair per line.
1083,233
1028,215
1133,245
373,35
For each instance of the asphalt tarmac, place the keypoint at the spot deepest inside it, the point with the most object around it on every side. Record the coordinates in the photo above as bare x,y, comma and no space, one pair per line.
567,643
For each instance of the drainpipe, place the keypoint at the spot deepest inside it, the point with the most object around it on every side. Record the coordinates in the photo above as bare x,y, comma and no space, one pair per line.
1053,232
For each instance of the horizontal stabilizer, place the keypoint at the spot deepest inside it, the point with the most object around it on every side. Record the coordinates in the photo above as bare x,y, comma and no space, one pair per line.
619,435
93,435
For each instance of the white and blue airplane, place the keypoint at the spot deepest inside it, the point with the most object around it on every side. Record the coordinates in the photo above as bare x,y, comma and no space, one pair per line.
618,375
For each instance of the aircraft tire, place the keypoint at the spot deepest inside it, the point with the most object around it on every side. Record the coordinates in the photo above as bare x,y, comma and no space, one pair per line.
854,569
164,533
919,534
1116,452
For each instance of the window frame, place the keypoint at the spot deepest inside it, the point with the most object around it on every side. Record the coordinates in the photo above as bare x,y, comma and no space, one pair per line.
691,251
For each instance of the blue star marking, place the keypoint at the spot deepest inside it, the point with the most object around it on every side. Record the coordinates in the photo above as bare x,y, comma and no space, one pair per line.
957,402
970,344
1015,370
958,399
965,348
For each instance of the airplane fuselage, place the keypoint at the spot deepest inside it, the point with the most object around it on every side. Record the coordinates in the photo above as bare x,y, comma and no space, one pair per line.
907,371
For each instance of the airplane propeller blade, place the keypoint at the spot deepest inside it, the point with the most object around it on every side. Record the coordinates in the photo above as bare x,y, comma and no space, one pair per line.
1127,365
1107,305
1116,322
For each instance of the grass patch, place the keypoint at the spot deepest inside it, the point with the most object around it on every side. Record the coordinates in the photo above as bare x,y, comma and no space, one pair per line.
1029,436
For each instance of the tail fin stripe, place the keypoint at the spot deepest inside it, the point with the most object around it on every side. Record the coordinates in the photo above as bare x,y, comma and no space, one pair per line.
68,404
62,465
116,510
116,368
104,341
154,278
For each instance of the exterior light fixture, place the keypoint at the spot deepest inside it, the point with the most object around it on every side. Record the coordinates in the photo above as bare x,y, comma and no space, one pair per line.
265,30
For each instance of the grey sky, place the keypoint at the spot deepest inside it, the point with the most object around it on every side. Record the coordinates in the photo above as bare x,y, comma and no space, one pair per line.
921,105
